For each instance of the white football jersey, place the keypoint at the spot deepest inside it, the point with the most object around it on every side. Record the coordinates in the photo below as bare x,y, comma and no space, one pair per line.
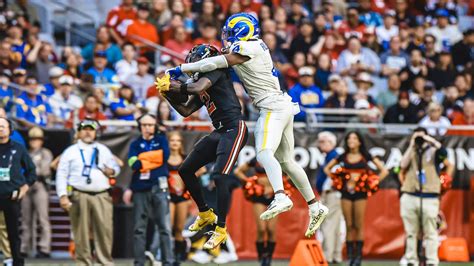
258,75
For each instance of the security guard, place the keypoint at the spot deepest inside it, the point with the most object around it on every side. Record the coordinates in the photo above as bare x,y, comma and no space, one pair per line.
82,184
149,186
17,174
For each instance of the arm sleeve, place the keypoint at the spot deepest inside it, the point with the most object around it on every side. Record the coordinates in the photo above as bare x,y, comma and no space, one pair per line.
28,167
62,174
133,161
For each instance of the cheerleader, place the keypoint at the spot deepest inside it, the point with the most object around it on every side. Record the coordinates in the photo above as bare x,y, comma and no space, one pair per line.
258,190
179,203
356,181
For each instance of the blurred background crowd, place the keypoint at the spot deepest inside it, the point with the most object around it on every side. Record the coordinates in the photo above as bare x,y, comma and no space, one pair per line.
405,61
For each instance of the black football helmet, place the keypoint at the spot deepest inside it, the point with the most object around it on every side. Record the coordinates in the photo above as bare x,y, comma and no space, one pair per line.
200,52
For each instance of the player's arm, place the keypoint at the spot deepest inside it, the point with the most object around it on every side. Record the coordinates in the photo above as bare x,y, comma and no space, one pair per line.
209,64
186,108
197,87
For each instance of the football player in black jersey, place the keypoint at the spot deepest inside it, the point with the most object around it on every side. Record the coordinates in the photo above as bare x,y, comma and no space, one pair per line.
215,91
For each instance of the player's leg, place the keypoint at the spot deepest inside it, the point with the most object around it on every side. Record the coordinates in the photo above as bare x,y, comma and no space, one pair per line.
203,153
268,133
228,149
285,155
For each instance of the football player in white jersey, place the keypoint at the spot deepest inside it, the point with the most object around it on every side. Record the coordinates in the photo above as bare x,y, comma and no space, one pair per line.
251,60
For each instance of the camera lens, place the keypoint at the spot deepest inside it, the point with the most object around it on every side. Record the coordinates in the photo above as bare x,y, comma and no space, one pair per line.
419,141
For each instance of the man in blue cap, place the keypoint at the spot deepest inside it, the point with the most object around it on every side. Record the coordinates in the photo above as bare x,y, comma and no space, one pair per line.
446,35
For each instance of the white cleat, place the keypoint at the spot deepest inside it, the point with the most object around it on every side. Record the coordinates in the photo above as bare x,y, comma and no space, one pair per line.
276,207
316,218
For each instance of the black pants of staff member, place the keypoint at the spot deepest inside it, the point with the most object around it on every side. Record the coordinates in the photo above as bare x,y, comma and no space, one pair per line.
12,210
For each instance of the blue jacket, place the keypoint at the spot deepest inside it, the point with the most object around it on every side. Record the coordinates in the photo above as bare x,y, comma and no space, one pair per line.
140,145
311,97
321,177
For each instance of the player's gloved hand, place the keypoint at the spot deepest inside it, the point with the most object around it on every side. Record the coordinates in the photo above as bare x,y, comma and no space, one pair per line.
174,72
163,84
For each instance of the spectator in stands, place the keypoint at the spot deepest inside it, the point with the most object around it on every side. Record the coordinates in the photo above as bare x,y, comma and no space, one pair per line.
124,107
403,15
32,108
149,190
119,17
462,84
329,44
395,59
323,70
446,35
365,88
101,73
128,65
64,102
90,110
331,229
436,124
8,59
416,41
436,8
464,118
371,41
334,11
389,97
306,93
352,27
451,102
284,30
54,74
103,41
179,43
462,51
24,8
35,204
340,97
304,39
444,73
82,183
356,59
402,112
291,75
72,66
431,55
320,25
426,98
208,32
142,80
163,112
388,30
416,68
140,29
19,76
15,36
6,92
179,7
160,14
40,61
210,13
371,116
368,16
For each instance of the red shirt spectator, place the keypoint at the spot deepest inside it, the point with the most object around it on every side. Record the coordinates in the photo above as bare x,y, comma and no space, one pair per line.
209,34
90,110
352,26
465,118
142,28
179,44
118,15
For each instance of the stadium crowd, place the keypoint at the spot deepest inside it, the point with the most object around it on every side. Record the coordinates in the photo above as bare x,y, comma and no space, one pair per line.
406,61
398,58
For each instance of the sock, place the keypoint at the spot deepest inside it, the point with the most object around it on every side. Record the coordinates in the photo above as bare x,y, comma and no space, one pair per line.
270,248
299,178
272,168
194,187
223,198
260,248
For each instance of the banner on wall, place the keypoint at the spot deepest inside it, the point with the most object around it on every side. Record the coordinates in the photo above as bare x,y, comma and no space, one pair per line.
383,226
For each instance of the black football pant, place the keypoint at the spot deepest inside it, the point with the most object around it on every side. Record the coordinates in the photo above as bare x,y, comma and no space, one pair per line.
12,211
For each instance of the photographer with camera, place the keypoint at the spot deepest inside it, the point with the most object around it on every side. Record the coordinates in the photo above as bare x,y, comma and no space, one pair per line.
420,200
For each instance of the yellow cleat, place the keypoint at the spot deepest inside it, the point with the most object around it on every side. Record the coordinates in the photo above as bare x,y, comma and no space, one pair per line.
218,237
204,218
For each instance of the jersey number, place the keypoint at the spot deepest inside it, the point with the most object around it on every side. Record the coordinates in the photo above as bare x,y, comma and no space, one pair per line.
206,99
264,46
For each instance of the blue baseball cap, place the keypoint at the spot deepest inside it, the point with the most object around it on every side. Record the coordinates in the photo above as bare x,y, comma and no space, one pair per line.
100,53
442,13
